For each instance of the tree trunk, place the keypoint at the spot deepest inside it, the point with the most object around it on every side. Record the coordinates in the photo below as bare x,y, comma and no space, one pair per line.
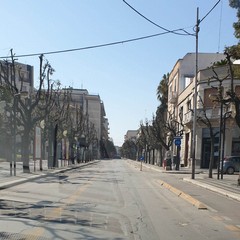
160,156
211,158
25,150
178,158
55,146
153,161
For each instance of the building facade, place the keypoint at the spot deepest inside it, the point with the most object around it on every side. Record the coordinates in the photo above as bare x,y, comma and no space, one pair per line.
131,135
93,108
181,102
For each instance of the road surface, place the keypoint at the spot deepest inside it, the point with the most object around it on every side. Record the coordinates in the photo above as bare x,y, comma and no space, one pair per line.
112,199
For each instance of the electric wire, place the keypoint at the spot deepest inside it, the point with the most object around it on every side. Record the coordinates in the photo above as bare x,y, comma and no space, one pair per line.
88,47
210,10
163,28
220,26
118,42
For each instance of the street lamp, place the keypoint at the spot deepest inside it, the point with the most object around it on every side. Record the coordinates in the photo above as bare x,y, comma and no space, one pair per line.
193,147
64,147
82,143
42,126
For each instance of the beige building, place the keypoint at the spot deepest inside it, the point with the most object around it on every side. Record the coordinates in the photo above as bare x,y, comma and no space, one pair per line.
131,135
181,102
23,75
93,107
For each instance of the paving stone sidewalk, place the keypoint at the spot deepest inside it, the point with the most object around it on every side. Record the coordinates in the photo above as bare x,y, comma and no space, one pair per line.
10,178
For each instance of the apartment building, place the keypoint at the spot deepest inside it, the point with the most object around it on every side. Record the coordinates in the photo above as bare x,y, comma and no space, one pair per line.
24,78
180,104
131,135
208,90
93,107
21,77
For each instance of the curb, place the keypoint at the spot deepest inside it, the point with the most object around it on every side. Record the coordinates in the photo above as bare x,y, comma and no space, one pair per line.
179,193
184,196
203,185
214,189
24,179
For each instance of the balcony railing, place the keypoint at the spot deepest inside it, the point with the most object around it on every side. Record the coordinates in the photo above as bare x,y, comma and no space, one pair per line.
173,97
211,113
188,117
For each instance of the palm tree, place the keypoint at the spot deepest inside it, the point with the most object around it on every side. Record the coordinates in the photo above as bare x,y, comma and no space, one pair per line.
162,90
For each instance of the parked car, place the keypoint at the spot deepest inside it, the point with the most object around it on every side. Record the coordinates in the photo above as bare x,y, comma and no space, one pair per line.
231,164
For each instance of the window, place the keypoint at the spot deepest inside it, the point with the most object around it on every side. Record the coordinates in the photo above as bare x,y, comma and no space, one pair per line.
189,105
207,101
188,80
181,113
24,76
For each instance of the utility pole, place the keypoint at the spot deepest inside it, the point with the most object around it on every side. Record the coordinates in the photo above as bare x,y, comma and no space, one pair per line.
195,101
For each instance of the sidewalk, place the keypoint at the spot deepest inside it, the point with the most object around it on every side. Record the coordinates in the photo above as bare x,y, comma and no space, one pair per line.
7,180
228,186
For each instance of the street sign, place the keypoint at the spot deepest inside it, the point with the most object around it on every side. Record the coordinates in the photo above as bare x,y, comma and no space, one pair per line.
177,142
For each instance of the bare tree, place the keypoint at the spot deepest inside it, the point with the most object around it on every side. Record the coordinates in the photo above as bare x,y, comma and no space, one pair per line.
30,109
203,118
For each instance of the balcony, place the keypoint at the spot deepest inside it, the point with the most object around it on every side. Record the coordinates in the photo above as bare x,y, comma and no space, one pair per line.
173,97
188,117
211,113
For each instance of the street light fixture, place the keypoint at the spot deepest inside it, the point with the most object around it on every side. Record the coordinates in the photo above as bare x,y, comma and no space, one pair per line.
42,126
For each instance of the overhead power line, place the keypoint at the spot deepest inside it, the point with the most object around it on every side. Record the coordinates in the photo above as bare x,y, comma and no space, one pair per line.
87,48
167,31
176,31
210,10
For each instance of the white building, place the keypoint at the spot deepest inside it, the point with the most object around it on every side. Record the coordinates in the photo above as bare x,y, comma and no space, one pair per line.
131,135
180,104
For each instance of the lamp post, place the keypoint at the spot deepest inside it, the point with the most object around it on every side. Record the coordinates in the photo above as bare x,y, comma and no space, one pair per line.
195,102
42,126
64,149
220,139
82,143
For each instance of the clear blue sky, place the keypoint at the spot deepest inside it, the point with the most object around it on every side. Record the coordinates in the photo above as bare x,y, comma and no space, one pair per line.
125,76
